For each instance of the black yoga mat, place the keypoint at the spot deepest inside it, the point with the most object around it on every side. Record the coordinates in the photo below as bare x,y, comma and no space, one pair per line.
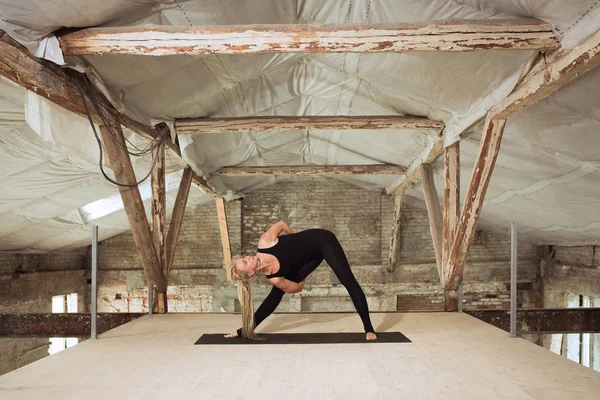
305,338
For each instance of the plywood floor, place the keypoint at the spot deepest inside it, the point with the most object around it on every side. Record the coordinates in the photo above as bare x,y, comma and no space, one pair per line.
453,356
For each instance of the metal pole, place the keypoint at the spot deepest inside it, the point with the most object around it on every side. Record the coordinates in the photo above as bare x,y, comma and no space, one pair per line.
94,281
513,280
460,296
150,300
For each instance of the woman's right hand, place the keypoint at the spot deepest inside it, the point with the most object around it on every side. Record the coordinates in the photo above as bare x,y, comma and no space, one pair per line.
233,334
301,284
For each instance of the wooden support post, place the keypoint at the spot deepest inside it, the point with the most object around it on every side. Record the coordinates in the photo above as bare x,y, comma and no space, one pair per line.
395,240
451,213
467,223
543,80
220,202
445,35
133,204
177,217
435,215
159,234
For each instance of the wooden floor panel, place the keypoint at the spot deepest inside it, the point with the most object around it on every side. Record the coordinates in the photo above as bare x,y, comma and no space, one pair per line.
453,356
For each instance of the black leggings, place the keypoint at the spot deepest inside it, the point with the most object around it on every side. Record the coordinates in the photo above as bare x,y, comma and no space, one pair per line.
332,252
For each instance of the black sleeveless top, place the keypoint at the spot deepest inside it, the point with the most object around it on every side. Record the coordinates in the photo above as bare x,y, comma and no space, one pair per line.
295,250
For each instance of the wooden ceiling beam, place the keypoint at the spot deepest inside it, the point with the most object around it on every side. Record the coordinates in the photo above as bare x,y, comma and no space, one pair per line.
375,169
445,35
304,123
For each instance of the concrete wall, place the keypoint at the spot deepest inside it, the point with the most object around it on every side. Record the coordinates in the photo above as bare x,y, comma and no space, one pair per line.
27,284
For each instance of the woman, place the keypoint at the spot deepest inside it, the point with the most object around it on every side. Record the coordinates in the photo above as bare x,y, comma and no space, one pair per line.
287,261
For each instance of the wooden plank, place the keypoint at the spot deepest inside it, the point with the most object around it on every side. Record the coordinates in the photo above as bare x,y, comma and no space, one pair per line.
395,239
445,35
177,217
375,169
60,324
435,215
133,204
159,234
293,123
451,196
159,205
469,217
60,86
451,214
544,321
565,67
220,202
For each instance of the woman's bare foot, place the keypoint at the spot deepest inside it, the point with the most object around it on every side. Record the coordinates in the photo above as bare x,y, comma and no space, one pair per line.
371,336
231,335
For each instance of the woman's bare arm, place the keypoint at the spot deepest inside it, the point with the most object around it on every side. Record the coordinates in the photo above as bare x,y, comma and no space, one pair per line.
286,285
267,239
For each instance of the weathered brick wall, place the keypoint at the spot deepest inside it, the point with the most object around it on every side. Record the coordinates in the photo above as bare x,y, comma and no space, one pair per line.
199,244
354,214
416,245
573,270
27,284
361,219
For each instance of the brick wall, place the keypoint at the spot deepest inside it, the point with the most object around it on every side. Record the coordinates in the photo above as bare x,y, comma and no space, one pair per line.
199,244
362,221
573,270
354,214
27,284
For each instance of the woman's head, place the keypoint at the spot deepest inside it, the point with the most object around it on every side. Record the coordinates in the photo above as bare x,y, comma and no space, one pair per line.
240,271
246,265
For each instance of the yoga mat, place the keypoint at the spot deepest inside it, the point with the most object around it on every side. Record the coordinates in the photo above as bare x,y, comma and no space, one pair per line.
305,338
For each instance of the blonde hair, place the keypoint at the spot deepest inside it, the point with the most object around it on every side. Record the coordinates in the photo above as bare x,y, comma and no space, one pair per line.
245,297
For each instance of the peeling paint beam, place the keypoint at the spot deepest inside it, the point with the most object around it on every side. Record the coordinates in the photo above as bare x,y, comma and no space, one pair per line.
159,221
373,169
445,35
222,216
434,214
395,239
304,123
467,223
120,162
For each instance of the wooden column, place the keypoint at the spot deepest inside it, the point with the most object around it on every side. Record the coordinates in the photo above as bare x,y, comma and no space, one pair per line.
395,240
177,217
451,213
134,206
435,215
467,224
220,202
159,234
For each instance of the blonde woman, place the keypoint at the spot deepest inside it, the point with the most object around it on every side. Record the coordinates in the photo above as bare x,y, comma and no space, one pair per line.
286,261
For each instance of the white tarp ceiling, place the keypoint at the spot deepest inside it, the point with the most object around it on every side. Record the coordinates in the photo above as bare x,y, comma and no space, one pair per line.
547,174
